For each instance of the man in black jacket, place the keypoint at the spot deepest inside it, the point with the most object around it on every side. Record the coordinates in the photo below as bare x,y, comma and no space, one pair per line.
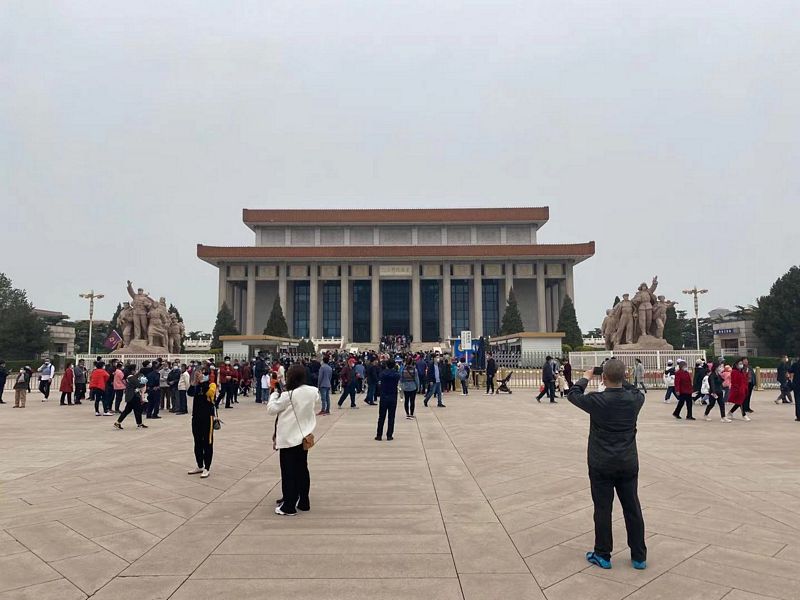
259,370
613,459
549,381
491,371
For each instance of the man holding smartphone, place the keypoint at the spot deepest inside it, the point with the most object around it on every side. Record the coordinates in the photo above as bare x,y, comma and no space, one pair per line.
613,459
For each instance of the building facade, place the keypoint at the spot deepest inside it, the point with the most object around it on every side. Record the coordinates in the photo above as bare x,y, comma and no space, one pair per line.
734,338
357,275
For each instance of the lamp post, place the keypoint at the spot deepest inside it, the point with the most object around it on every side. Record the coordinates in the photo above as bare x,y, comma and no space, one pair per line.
695,292
91,297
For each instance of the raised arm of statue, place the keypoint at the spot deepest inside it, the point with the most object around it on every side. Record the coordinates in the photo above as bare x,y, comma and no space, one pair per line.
654,284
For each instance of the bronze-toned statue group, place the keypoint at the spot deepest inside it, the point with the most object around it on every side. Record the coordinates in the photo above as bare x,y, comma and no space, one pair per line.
149,323
638,321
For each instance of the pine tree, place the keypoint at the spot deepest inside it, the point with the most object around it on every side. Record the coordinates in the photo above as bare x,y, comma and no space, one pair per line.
112,325
225,325
568,323
276,324
512,320
174,311
672,329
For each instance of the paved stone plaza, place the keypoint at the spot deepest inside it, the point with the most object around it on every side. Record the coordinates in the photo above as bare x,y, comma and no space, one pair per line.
486,499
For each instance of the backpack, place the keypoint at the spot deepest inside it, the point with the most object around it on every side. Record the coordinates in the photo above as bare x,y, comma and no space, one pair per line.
408,381
462,371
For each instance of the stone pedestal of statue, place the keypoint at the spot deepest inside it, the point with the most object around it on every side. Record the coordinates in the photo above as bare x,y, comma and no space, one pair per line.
646,342
141,347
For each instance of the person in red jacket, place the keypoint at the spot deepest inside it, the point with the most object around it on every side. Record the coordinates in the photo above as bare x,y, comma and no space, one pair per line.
683,389
738,393
67,385
98,380
225,383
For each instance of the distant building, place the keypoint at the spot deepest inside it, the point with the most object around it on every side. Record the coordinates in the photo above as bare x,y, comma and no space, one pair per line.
735,337
193,346
62,333
355,275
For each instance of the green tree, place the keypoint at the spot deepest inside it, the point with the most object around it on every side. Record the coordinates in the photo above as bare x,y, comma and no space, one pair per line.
195,335
23,334
225,325
673,333
512,320
174,311
113,325
306,347
99,333
276,324
777,315
568,323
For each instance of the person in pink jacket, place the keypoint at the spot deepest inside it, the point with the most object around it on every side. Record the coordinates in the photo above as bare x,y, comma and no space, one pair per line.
119,386
726,382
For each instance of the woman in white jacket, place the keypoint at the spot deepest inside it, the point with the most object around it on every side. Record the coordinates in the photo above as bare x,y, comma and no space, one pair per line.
294,410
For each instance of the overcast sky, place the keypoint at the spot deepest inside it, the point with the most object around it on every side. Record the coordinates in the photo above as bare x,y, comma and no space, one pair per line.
667,131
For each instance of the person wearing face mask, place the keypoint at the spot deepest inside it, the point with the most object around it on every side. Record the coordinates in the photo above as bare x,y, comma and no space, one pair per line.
46,373
716,391
434,378
236,378
738,391
203,412
683,388
21,389
751,384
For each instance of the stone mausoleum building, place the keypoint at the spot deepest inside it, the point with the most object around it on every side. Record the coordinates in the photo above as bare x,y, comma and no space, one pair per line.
356,275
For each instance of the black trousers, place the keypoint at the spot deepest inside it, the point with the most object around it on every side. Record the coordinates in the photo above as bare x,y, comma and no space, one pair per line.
550,390
490,383
118,394
720,402
99,397
386,408
153,402
670,392
66,396
295,479
684,399
625,483
408,402
747,398
80,392
135,406
44,387
182,407
797,401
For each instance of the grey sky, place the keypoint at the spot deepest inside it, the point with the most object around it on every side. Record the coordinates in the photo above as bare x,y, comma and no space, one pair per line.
129,131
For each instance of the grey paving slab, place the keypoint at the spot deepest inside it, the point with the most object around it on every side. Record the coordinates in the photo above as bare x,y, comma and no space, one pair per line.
464,503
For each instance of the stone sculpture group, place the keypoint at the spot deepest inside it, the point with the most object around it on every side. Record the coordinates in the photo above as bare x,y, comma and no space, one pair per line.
148,326
638,323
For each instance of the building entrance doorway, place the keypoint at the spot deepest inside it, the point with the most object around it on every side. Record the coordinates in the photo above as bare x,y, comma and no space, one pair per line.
396,301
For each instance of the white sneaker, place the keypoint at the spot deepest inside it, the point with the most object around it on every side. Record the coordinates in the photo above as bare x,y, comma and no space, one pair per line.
746,418
195,471
708,418
725,420
97,414
108,414
204,474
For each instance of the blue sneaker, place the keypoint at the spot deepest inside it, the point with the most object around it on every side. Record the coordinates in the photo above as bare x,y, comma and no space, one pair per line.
597,560
640,565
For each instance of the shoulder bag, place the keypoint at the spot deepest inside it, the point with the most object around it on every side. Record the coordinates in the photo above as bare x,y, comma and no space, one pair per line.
308,440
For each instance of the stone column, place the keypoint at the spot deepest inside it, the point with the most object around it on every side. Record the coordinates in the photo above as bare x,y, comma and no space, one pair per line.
313,302
251,300
375,309
447,313
477,301
509,285
541,300
282,290
237,306
570,282
555,305
416,305
344,301
223,286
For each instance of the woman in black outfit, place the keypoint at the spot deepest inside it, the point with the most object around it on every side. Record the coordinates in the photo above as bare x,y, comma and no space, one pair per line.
134,382
716,391
203,412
